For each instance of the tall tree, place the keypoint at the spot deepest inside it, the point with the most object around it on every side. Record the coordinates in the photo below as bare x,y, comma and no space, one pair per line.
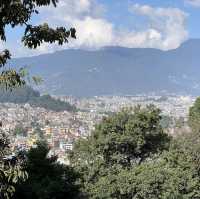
173,174
119,142
15,13
47,178
10,168
162,174
194,116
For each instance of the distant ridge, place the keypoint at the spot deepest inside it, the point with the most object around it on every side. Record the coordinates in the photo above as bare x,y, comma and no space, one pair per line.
24,95
118,70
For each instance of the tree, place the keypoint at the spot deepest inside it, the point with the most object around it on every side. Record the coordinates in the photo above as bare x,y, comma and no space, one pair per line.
47,178
20,130
179,122
15,13
174,174
10,168
119,142
19,13
166,121
19,95
38,131
194,116
26,94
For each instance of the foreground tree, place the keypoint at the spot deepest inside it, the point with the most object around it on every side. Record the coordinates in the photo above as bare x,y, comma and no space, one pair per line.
173,175
194,116
15,13
19,13
47,178
121,142
158,169
10,168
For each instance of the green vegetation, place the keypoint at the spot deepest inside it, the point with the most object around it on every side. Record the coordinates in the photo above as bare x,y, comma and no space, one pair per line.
194,116
47,179
10,168
17,13
20,130
19,95
47,102
127,156
26,94
119,144
39,133
166,121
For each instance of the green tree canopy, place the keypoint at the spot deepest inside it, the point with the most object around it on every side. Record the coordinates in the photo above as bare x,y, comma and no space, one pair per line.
47,178
174,174
10,168
119,142
194,116
26,94
15,13
20,130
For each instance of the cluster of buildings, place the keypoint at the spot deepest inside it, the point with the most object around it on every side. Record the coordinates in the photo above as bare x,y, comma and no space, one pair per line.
62,129
171,105
59,129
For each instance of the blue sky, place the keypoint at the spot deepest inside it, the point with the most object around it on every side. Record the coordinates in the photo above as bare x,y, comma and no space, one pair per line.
193,11
163,24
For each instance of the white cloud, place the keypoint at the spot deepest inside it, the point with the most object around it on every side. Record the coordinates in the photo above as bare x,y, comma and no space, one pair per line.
168,29
149,38
93,33
94,30
193,2
70,10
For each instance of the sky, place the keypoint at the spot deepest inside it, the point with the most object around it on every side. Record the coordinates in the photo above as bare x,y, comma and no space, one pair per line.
161,24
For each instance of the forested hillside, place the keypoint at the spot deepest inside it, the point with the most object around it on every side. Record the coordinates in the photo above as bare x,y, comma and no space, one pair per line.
26,94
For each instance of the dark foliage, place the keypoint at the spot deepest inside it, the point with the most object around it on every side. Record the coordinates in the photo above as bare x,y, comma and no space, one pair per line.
194,116
47,178
120,142
26,94
10,168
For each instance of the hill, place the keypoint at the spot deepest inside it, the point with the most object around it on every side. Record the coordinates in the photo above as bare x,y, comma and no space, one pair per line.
26,94
118,70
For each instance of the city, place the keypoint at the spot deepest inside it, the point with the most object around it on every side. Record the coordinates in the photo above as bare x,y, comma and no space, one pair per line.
99,99
62,129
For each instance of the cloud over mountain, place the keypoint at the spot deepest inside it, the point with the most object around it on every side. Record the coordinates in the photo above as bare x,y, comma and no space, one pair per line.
168,29
94,30
165,27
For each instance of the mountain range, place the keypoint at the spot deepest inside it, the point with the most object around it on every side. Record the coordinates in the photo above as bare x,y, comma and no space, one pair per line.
118,70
